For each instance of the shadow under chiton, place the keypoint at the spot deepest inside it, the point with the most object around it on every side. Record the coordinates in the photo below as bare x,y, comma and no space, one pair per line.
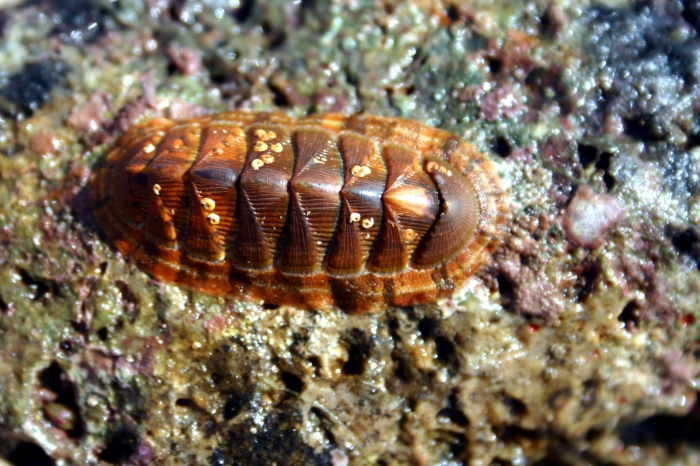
356,212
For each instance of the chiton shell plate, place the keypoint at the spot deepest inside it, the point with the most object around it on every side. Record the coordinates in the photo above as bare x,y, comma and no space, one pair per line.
359,212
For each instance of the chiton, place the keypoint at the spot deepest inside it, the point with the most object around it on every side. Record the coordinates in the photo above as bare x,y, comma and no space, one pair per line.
358,213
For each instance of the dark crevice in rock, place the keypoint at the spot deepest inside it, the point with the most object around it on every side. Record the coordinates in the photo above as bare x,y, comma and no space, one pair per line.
292,382
603,164
507,291
630,316
44,289
131,301
495,65
589,277
56,380
217,458
67,346
186,402
453,412
121,445
103,334
587,154
501,146
359,348
664,429
276,36
322,419
245,11
29,454
428,327
447,353
404,369
281,98
687,242
457,444
691,13
453,13
518,434
235,403
516,407
644,128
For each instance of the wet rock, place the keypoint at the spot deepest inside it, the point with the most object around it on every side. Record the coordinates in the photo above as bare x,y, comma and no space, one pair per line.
26,91
78,22
121,446
649,55
44,142
185,59
502,102
90,116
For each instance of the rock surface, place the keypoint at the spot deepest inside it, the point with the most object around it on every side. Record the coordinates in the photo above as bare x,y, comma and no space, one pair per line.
577,344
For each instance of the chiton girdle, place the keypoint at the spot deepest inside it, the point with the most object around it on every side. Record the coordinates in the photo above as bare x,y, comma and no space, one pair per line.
359,212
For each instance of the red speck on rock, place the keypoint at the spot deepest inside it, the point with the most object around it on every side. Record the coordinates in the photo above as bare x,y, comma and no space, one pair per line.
499,103
185,60
644,276
44,142
91,115
514,56
676,372
180,109
687,320
554,151
519,271
132,112
138,107
589,216
286,91
149,103
522,154
525,291
214,325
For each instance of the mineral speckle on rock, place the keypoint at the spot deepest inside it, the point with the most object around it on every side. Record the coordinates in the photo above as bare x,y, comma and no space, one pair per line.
588,216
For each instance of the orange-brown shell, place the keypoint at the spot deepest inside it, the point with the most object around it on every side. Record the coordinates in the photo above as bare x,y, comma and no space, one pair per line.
358,212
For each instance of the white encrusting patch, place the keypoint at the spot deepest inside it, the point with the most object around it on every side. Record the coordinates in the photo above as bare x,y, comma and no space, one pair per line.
213,219
208,204
264,135
360,170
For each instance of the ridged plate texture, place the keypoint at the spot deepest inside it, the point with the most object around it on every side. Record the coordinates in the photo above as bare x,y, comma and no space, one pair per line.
358,212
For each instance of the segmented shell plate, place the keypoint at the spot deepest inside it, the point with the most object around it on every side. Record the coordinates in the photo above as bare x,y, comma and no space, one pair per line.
356,212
